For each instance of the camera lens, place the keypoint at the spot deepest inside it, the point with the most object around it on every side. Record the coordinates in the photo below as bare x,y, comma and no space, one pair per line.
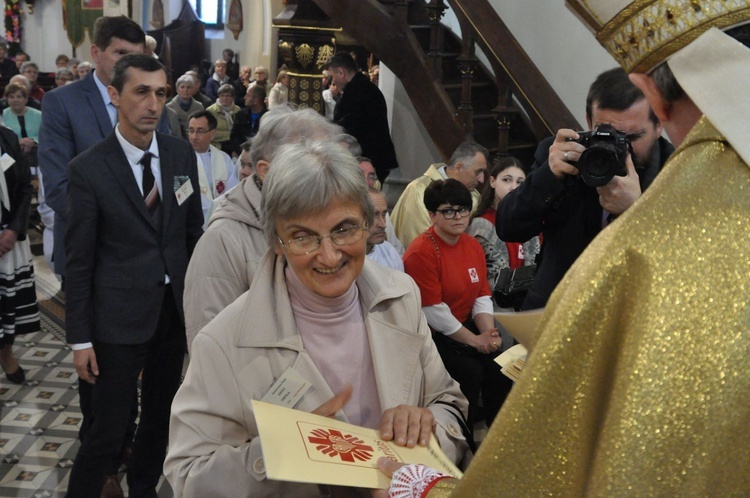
598,164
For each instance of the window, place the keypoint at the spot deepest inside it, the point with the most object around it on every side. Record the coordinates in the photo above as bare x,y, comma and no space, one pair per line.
210,12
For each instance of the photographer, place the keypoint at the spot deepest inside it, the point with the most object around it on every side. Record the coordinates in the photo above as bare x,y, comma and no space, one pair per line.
556,201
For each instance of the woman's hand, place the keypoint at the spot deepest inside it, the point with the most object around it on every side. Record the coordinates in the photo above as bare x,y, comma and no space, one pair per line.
488,341
407,425
8,239
330,407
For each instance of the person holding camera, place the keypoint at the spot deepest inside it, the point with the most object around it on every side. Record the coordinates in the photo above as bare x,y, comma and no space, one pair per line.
581,181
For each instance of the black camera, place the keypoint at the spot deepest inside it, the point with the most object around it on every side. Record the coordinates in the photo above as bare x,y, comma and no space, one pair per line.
604,157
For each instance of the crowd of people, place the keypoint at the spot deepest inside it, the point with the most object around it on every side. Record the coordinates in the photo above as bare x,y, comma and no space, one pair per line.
259,243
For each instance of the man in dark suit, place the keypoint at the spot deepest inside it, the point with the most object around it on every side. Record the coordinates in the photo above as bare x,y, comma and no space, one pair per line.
135,217
79,115
362,113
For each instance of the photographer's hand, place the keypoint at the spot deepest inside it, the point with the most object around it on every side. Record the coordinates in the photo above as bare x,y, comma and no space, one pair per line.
622,191
559,162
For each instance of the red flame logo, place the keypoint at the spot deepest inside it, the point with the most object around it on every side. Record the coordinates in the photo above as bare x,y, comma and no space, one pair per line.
334,443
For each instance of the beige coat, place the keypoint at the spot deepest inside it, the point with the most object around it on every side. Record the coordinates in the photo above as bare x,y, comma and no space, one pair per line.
224,260
214,448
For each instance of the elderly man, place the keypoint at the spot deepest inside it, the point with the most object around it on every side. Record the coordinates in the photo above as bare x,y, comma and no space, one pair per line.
226,257
637,384
378,248
468,164
365,165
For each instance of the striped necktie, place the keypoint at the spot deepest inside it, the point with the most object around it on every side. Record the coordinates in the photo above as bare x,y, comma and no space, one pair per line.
150,192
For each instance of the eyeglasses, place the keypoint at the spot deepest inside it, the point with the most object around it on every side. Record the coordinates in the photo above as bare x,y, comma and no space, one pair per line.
199,131
311,243
450,213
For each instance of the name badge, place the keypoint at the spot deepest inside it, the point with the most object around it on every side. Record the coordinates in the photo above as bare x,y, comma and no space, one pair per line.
182,193
6,162
287,390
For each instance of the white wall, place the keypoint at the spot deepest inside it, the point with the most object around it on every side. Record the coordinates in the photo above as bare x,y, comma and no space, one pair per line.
563,49
44,37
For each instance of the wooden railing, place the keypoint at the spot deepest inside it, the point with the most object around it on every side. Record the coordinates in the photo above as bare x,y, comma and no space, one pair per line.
524,98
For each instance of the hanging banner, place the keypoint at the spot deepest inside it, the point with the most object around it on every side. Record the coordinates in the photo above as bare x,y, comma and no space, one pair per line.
80,16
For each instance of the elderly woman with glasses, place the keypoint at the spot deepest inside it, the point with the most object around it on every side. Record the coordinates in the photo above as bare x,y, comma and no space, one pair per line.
317,309
450,270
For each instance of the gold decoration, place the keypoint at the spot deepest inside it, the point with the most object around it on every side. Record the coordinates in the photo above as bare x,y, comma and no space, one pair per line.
304,96
316,84
647,32
292,82
304,84
324,53
285,51
305,54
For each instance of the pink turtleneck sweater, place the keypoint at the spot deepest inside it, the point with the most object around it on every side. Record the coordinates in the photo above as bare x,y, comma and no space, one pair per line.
334,335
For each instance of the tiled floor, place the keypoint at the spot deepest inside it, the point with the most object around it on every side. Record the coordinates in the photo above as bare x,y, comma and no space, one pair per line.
39,420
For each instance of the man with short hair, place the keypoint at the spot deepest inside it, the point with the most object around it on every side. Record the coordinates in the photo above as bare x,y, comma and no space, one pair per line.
365,165
555,201
378,248
362,112
20,58
80,115
225,259
135,218
216,171
247,119
76,117
468,164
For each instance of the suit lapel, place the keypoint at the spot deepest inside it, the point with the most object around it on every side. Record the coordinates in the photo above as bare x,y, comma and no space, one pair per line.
120,168
97,104
166,163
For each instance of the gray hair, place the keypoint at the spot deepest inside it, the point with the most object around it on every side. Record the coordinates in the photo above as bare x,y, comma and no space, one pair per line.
185,79
284,124
27,65
465,153
327,172
62,71
225,88
351,144
84,64
22,79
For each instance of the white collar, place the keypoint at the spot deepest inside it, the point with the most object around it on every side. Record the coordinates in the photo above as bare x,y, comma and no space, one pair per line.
714,71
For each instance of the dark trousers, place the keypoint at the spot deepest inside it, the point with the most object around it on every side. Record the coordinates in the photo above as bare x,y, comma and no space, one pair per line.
112,398
85,394
477,374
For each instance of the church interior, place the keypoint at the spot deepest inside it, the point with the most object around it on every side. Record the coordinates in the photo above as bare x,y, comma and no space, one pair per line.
504,73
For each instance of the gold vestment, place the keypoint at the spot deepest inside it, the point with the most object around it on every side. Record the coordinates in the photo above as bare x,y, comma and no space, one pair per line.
639,381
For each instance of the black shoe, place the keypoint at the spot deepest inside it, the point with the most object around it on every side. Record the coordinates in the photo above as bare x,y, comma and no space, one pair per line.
17,377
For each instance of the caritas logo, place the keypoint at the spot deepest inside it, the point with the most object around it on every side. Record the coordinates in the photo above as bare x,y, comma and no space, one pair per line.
336,444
